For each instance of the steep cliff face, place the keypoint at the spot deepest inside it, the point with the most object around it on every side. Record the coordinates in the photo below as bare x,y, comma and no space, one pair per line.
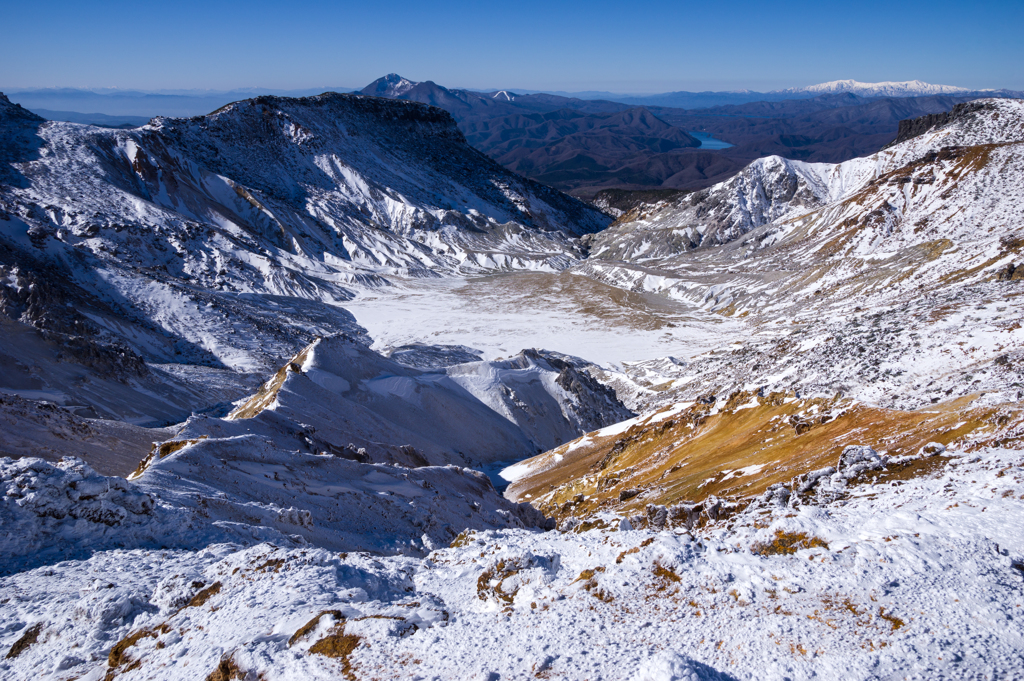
914,127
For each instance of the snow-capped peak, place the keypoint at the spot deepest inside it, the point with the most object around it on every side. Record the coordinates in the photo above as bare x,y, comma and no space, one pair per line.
391,85
908,88
504,95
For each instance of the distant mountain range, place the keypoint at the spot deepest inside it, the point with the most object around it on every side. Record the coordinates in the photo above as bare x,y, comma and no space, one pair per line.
196,102
584,145
127,104
588,141
907,88
697,100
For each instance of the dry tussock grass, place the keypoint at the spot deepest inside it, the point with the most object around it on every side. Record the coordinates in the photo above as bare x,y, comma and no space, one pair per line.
696,454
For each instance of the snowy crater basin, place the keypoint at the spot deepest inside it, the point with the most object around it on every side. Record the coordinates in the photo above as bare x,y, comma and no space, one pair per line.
501,314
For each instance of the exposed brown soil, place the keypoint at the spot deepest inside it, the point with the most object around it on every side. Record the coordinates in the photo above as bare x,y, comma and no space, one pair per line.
159,451
267,393
786,544
30,636
338,645
309,626
226,670
204,595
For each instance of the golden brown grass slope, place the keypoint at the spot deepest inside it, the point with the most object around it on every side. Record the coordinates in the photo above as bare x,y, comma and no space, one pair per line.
737,448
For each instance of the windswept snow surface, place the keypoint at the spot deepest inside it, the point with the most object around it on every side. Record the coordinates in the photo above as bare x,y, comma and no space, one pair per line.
914,580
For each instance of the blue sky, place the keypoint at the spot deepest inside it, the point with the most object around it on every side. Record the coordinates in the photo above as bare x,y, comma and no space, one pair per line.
618,46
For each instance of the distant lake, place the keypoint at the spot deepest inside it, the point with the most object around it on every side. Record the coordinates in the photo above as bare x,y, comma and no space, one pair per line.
707,141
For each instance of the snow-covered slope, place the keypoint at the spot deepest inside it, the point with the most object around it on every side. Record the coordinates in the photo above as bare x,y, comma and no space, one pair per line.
553,398
343,448
907,239
765,190
243,490
339,397
784,591
42,429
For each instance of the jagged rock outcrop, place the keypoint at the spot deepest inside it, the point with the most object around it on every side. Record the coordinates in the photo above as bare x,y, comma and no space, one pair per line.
914,127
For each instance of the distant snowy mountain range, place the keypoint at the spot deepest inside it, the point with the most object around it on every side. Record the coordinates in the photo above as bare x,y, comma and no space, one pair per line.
908,88
586,142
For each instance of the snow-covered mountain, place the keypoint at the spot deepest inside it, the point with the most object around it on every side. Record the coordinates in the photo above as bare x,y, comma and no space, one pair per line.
878,304
137,253
908,88
391,85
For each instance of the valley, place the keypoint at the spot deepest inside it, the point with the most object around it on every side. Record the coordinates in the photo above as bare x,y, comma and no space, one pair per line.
769,428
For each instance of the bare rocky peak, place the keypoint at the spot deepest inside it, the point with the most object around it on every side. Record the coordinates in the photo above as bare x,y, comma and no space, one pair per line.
915,127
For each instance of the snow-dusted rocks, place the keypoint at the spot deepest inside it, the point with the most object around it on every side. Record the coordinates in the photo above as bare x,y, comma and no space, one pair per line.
71,489
772,594
247,485
860,277
54,509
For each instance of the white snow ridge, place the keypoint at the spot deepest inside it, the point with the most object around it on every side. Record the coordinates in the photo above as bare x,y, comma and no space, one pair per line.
266,374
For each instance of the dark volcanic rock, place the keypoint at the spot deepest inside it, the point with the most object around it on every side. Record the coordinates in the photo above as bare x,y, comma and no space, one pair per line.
914,127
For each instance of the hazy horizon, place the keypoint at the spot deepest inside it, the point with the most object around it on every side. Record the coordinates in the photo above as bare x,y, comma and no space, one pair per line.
345,88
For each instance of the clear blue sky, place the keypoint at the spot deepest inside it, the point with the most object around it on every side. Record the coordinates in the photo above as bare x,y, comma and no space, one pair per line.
619,46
